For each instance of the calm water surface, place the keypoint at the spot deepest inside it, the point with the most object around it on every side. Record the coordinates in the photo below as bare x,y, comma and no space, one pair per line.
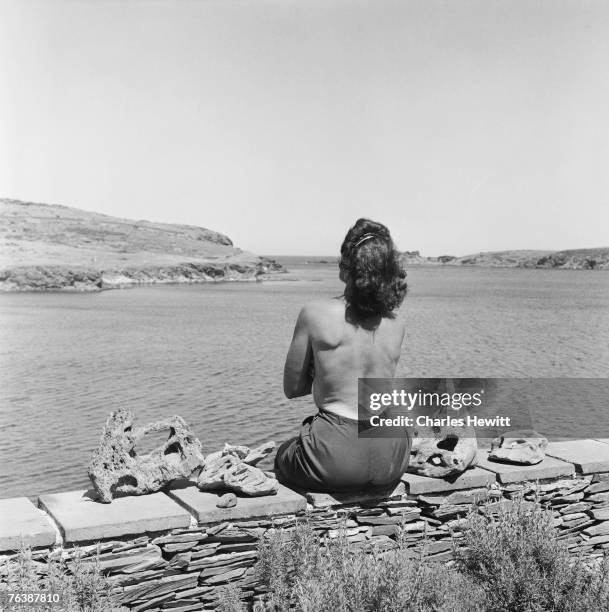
214,355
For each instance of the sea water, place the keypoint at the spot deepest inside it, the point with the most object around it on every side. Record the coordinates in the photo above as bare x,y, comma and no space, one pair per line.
214,354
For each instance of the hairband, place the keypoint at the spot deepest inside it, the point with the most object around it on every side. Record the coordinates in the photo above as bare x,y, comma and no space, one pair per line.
364,238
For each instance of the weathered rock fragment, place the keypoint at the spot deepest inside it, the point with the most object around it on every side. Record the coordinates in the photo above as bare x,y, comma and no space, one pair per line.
523,448
117,468
252,456
230,469
445,452
259,453
250,480
215,467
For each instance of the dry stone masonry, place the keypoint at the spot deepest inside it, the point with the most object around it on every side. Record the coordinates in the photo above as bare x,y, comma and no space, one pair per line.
174,551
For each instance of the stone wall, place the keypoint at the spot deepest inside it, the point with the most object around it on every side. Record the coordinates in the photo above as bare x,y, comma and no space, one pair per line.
174,551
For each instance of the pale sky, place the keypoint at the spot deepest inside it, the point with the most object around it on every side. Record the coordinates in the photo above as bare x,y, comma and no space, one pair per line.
462,125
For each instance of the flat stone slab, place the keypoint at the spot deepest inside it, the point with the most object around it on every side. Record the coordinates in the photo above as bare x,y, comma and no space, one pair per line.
21,522
325,500
202,504
508,473
588,456
470,479
81,518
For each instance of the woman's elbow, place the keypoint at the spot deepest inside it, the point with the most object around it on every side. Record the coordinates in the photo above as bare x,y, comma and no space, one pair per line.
289,390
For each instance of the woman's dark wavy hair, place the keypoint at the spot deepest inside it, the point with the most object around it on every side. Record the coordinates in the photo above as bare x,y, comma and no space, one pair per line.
372,270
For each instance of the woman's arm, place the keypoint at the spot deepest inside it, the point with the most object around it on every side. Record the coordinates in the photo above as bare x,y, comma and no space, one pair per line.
297,380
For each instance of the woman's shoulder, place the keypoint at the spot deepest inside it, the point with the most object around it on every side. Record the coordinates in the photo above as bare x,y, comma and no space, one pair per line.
323,307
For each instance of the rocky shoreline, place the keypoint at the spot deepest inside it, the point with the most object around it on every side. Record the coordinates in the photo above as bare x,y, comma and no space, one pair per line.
575,259
49,247
81,279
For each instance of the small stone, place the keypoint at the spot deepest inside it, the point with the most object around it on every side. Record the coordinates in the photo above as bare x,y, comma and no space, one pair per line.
451,511
226,577
117,468
598,497
443,556
432,500
378,520
216,529
568,518
231,535
521,448
228,500
432,548
600,539
181,560
205,551
405,514
600,514
598,530
179,546
575,526
196,536
557,485
580,486
567,499
474,496
598,487
385,530
574,508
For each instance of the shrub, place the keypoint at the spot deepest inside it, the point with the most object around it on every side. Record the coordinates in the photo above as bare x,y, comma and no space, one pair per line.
229,599
81,585
302,575
514,556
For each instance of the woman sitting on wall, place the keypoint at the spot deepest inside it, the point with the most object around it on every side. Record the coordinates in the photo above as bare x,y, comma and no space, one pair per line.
336,341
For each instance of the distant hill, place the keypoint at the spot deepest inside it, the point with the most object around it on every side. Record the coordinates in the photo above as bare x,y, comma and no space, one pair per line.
574,259
53,247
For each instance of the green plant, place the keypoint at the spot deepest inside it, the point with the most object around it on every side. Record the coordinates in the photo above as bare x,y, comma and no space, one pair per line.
80,584
337,576
514,557
229,599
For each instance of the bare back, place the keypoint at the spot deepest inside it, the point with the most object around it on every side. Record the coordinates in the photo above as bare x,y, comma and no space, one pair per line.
344,350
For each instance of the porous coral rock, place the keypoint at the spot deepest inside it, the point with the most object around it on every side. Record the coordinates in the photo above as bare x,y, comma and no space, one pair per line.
441,452
117,468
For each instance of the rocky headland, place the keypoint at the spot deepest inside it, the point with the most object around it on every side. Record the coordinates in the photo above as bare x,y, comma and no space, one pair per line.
574,259
48,247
